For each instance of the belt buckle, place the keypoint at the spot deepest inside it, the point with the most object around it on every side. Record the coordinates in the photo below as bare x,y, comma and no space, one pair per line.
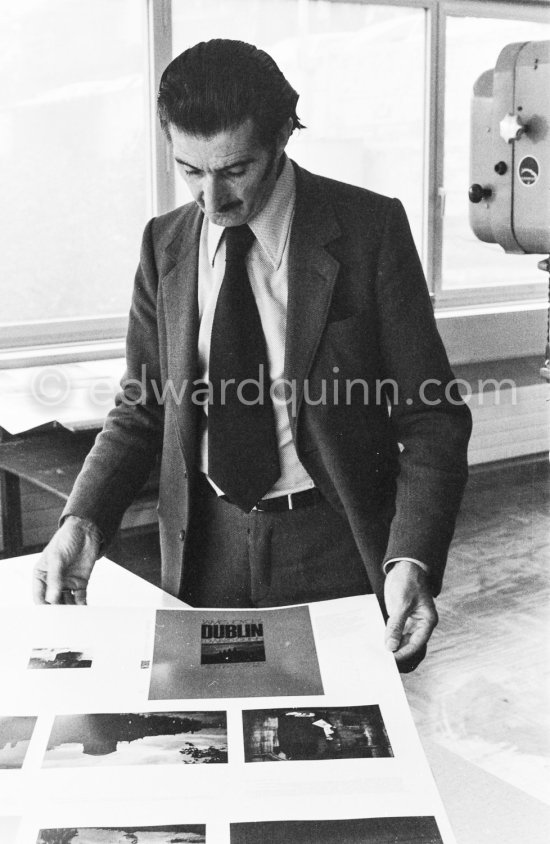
289,496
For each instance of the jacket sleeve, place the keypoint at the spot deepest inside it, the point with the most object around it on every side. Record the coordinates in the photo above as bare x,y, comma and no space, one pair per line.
431,423
124,452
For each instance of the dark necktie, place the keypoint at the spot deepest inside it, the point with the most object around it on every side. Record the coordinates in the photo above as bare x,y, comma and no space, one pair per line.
243,457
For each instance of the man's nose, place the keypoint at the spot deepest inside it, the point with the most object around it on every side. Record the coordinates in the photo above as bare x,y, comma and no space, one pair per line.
213,194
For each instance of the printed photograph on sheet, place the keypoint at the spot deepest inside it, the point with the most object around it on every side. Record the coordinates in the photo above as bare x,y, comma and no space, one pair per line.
234,653
138,738
59,658
9,827
242,641
167,834
313,733
15,736
403,830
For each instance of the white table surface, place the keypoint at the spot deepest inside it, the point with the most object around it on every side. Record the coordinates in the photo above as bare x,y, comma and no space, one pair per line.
482,808
110,586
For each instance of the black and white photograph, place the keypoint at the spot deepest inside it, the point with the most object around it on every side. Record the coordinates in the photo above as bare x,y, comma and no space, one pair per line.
285,735
15,736
234,653
275,334
229,642
403,830
44,658
166,834
140,738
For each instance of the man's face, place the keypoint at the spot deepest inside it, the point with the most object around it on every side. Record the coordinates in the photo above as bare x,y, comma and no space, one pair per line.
230,174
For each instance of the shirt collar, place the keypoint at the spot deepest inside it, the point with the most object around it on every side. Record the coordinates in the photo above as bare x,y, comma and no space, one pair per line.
271,225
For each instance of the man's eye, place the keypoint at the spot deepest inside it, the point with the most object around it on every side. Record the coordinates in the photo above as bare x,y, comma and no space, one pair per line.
239,172
190,172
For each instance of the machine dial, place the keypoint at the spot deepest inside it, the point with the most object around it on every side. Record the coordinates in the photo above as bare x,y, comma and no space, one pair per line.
511,128
478,192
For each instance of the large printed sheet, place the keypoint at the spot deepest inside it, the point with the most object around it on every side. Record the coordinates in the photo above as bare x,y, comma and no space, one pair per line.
225,727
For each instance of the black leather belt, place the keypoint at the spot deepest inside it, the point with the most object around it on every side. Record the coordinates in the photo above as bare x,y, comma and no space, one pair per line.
279,503
294,501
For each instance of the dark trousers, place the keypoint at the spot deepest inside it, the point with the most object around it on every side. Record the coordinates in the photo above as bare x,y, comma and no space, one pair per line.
268,559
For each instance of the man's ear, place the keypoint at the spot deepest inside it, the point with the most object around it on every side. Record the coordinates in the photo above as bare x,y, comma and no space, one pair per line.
283,136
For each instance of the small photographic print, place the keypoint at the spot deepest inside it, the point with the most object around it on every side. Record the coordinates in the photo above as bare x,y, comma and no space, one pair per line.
403,830
167,834
138,738
240,641
59,658
15,736
312,733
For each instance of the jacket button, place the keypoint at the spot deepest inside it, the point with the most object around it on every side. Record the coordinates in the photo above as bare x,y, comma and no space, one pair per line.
182,535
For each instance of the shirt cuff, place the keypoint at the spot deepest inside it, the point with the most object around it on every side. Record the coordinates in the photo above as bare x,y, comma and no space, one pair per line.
390,563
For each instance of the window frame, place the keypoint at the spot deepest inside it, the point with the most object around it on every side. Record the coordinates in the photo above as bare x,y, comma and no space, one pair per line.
498,295
74,338
77,338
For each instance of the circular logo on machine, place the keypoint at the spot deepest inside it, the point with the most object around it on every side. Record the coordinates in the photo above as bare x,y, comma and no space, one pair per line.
528,170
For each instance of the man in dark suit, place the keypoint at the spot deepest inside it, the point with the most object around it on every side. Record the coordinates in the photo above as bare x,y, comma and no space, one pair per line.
282,356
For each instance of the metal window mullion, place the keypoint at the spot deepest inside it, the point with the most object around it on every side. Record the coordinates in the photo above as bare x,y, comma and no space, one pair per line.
436,151
411,4
159,23
537,11
430,147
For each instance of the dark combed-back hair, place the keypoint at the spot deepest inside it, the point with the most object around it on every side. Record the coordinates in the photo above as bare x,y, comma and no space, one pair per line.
216,85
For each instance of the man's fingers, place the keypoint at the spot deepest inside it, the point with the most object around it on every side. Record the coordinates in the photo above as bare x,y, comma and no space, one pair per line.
411,646
407,664
54,594
50,588
412,614
55,585
63,569
39,588
412,649
394,630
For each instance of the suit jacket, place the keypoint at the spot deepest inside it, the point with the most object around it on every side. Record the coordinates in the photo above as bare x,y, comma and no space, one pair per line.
388,456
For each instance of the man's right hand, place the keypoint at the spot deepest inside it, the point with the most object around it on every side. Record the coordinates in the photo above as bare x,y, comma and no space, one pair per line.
63,569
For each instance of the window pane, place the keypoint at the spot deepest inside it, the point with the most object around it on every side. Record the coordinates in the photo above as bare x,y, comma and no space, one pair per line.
359,70
473,46
72,156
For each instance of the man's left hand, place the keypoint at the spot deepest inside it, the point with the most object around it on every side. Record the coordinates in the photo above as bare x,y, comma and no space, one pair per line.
412,615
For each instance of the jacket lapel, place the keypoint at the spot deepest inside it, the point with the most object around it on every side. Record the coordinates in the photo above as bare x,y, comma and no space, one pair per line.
312,275
179,291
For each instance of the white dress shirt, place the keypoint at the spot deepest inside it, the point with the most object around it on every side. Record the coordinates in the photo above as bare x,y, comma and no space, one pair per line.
267,266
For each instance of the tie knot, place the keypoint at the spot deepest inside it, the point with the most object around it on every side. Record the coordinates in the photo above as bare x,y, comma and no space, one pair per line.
238,240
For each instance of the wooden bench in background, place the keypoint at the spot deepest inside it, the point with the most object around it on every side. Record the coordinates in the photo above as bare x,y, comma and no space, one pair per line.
50,459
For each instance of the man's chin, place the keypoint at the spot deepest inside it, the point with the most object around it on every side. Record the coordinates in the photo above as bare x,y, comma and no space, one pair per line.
233,217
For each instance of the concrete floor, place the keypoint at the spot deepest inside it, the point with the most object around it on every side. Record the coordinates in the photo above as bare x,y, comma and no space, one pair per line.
483,690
